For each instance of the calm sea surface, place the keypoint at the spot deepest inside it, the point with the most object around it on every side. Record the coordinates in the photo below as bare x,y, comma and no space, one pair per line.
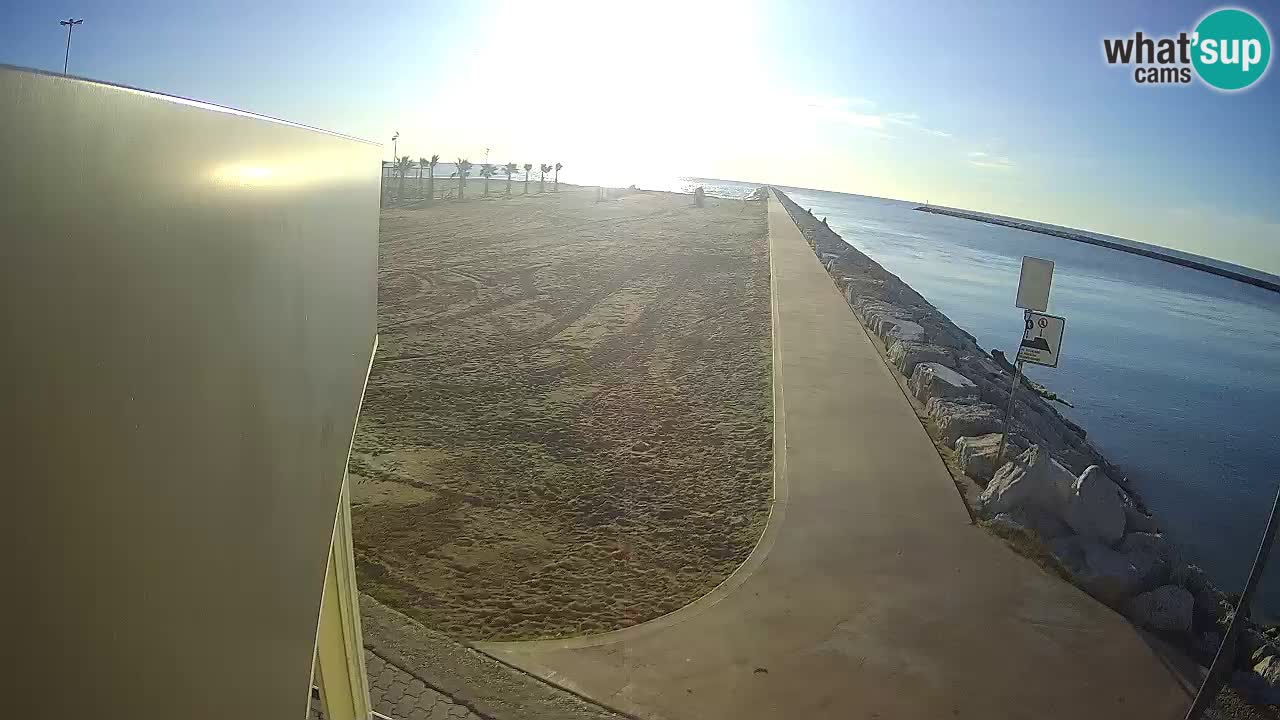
1175,373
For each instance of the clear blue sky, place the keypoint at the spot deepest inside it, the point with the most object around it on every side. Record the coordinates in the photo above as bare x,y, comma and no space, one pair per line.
996,106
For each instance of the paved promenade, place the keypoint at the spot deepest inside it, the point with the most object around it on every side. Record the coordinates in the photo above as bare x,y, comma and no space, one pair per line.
870,595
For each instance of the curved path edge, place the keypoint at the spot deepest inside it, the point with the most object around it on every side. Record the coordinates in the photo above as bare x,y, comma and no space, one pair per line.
871,593
774,519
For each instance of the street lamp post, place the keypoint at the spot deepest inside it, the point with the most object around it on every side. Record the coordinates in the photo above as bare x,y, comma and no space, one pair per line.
395,150
71,23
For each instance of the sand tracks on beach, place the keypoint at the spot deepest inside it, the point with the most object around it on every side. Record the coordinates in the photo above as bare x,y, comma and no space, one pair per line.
568,429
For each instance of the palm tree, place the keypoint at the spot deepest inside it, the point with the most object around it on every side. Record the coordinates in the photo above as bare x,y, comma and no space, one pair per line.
509,169
486,172
557,184
527,168
542,179
431,177
402,167
422,164
464,169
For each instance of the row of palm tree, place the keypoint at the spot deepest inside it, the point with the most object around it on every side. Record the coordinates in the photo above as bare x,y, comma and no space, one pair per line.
430,164
487,171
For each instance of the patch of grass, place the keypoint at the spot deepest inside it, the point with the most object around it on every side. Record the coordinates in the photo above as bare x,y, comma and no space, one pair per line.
1028,544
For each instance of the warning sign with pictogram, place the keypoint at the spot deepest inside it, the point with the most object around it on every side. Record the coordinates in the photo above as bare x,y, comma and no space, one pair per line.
1042,339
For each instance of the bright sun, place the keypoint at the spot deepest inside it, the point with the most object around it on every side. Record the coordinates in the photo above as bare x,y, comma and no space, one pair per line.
608,85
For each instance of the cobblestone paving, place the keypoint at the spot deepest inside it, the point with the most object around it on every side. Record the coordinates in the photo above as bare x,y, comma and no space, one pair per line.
399,695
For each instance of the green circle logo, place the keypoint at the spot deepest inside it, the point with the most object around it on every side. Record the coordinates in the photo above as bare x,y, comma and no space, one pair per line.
1232,49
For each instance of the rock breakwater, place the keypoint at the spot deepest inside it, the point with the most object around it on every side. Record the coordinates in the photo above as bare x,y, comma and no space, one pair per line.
1051,490
1242,274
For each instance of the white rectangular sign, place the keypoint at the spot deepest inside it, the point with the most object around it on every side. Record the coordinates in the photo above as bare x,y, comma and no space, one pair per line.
1042,339
1034,282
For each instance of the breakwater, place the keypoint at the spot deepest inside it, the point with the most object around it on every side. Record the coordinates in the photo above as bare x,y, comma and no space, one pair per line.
1053,491
1241,275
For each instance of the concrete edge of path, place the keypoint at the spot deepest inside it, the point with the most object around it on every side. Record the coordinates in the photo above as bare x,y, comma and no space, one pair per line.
484,685
878,345
777,510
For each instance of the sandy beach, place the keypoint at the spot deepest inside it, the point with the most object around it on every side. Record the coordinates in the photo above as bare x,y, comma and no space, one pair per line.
568,426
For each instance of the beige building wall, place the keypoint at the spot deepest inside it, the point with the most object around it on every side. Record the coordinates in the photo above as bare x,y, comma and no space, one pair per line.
189,308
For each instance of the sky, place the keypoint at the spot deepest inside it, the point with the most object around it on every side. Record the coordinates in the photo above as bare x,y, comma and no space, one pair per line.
1004,107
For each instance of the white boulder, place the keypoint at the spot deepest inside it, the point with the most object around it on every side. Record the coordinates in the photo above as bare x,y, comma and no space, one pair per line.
1100,571
1031,480
1269,668
1167,608
906,354
978,454
875,313
1094,508
884,320
955,419
930,380
859,300
893,330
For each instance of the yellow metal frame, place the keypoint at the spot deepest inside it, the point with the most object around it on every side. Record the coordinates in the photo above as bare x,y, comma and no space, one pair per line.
339,670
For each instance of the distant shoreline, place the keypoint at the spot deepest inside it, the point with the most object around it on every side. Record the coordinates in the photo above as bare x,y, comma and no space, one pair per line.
1264,283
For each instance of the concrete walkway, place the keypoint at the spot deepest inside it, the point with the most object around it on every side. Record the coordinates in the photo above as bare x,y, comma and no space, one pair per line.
417,673
871,595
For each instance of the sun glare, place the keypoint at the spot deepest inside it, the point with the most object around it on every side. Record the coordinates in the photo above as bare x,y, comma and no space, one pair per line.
605,84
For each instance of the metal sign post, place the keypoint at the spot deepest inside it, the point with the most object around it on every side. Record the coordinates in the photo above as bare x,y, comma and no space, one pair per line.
1041,333
1008,408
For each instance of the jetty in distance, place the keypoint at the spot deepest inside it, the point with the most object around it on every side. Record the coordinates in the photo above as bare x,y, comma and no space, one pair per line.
1169,255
